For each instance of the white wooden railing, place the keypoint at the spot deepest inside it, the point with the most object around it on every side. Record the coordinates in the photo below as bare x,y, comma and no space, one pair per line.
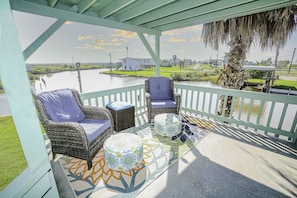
272,114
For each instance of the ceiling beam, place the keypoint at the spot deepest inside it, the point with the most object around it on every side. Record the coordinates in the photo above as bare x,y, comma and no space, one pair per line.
29,7
141,9
238,11
173,8
113,7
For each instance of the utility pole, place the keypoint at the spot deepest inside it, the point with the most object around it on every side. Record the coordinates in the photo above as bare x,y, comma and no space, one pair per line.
292,60
275,63
110,61
126,52
78,75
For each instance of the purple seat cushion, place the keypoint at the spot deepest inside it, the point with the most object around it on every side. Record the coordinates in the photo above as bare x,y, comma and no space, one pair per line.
94,128
163,104
159,88
61,106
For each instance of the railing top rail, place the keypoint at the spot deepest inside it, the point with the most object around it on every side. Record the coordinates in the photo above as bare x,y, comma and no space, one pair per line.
111,91
241,93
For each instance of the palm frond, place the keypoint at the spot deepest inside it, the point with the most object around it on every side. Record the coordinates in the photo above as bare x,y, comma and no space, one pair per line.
269,29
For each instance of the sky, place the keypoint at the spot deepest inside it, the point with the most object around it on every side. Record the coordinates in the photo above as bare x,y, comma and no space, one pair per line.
76,42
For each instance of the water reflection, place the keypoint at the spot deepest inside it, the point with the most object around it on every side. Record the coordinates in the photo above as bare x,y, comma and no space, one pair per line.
92,80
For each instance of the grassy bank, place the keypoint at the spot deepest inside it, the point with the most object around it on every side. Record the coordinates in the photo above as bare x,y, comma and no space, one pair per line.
12,158
205,73
47,69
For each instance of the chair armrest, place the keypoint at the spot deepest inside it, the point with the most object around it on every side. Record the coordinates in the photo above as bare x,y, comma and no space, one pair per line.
61,130
97,113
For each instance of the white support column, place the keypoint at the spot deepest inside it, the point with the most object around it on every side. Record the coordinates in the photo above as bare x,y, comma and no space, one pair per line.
157,46
16,84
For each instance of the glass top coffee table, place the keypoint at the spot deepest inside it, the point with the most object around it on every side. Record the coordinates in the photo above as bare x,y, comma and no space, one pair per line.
167,124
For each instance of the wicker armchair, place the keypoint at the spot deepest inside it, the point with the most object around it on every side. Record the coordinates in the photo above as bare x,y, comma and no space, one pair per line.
160,97
73,129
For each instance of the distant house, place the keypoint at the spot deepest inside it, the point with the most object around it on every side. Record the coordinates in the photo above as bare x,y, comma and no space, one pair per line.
174,62
188,61
137,63
214,63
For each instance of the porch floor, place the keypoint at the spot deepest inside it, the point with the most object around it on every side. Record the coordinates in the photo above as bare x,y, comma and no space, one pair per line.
228,162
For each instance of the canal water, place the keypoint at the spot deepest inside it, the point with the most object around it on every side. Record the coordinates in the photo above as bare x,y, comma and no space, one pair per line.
91,80
95,80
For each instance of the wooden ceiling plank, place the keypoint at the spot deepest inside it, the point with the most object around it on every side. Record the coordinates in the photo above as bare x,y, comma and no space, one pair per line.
252,8
84,5
114,7
52,3
141,9
29,7
168,10
212,7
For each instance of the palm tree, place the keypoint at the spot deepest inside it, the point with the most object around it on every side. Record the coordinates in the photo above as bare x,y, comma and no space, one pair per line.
270,29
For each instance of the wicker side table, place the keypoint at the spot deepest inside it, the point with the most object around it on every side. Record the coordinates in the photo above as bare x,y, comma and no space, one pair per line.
123,114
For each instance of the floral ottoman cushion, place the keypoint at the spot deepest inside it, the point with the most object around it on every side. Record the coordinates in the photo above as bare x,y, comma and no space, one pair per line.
123,151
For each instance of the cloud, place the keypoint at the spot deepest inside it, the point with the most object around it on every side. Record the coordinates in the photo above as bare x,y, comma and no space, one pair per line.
97,47
115,50
182,30
124,34
112,42
86,46
90,47
194,28
177,40
68,23
100,42
116,42
87,37
269,54
183,51
170,33
196,39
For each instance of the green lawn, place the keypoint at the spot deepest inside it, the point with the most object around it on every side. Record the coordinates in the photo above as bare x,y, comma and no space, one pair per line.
285,84
206,73
12,158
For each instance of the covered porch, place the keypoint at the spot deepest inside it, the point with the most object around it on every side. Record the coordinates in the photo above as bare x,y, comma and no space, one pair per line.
252,156
245,151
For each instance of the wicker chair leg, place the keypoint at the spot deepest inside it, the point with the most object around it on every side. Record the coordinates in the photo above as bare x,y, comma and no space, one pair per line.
54,155
90,164
149,120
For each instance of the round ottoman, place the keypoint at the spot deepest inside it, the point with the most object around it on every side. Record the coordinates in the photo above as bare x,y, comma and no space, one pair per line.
123,151
167,124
